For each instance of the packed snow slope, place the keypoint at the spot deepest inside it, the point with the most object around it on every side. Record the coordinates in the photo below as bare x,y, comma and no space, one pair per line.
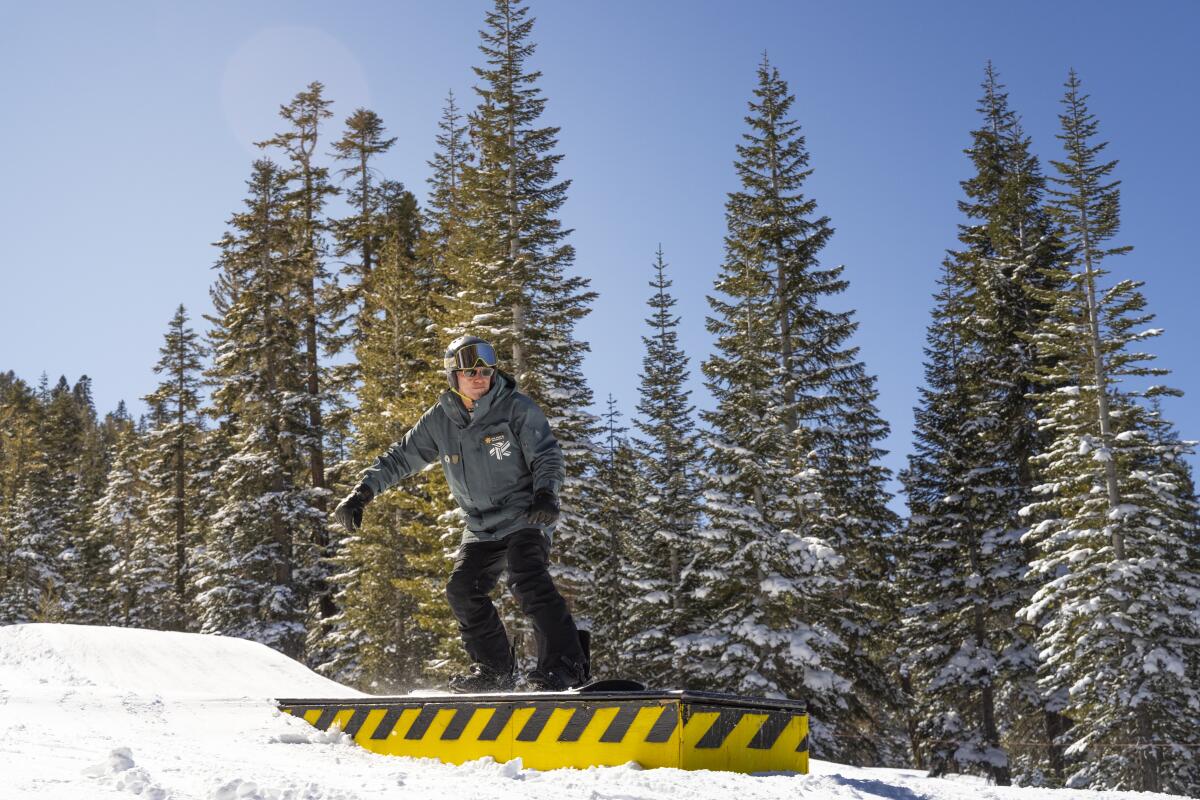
91,712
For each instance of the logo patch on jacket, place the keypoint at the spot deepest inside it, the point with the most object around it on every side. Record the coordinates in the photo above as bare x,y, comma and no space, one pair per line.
498,446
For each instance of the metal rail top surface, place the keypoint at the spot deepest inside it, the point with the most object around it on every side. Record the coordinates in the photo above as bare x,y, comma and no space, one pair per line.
676,695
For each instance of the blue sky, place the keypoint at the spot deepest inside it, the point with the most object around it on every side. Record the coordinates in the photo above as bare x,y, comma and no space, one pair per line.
127,135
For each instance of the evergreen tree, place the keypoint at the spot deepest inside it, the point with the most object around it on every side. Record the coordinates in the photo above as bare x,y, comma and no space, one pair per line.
509,264
309,189
97,595
445,210
28,567
1119,605
618,511
394,621
445,233
170,448
949,660
976,433
358,242
783,601
669,463
138,564
262,557
65,498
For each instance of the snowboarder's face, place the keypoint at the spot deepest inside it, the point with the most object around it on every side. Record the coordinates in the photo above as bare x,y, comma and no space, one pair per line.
475,386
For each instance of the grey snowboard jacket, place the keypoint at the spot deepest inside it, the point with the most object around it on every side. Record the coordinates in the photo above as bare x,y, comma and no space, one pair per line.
494,459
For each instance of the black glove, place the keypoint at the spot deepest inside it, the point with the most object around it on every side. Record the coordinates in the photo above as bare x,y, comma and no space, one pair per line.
544,508
349,512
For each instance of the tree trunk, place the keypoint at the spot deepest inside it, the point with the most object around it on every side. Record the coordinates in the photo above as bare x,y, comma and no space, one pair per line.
180,501
987,699
1056,726
1148,752
911,723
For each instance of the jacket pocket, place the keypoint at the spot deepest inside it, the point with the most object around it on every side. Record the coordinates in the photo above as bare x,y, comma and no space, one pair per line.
452,465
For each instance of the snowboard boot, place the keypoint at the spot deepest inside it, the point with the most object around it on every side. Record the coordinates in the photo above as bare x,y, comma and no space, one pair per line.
565,675
585,644
483,678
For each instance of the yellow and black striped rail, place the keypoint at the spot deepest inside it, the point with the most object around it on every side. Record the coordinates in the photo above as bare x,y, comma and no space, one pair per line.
682,729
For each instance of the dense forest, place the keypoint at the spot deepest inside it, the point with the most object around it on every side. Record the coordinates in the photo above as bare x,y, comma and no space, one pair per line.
1034,618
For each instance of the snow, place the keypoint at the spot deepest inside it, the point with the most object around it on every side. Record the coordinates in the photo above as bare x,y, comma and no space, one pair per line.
91,712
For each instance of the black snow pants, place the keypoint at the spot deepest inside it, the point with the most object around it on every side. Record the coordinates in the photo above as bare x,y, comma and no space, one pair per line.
525,554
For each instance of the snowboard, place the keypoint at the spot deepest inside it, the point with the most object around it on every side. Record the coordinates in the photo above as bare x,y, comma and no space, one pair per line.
598,686
602,685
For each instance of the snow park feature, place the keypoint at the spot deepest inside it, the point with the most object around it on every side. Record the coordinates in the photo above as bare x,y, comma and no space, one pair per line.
99,713
550,730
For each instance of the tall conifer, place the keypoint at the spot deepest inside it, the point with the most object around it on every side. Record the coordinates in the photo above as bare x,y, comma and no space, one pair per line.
28,567
510,267
393,619
786,602
618,519
138,560
445,210
309,188
669,462
1119,607
970,659
261,559
172,441
70,445
358,241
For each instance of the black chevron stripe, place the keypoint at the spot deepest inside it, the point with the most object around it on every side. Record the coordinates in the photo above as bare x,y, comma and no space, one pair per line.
620,725
386,725
356,721
326,719
537,722
496,724
421,724
577,724
718,732
458,723
768,734
664,726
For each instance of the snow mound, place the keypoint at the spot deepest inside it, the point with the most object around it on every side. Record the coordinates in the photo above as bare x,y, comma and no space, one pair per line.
152,663
94,712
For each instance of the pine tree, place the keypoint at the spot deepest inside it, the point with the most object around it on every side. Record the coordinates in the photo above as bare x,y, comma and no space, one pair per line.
783,599
394,620
669,462
972,472
1119,606
509,263
617,520
358,242
262,557
445,238
309,189
70,447
138,562
27,555
948,661
170,448
445,210
96,596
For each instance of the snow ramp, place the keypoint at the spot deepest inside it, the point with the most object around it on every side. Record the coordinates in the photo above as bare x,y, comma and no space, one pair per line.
161,663
679,729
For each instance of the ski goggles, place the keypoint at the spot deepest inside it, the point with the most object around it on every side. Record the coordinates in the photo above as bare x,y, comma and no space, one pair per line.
471,356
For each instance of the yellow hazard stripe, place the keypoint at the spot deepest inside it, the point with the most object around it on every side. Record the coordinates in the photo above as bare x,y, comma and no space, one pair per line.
575,733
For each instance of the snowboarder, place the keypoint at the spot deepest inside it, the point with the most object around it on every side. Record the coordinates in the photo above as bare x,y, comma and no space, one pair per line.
505,469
